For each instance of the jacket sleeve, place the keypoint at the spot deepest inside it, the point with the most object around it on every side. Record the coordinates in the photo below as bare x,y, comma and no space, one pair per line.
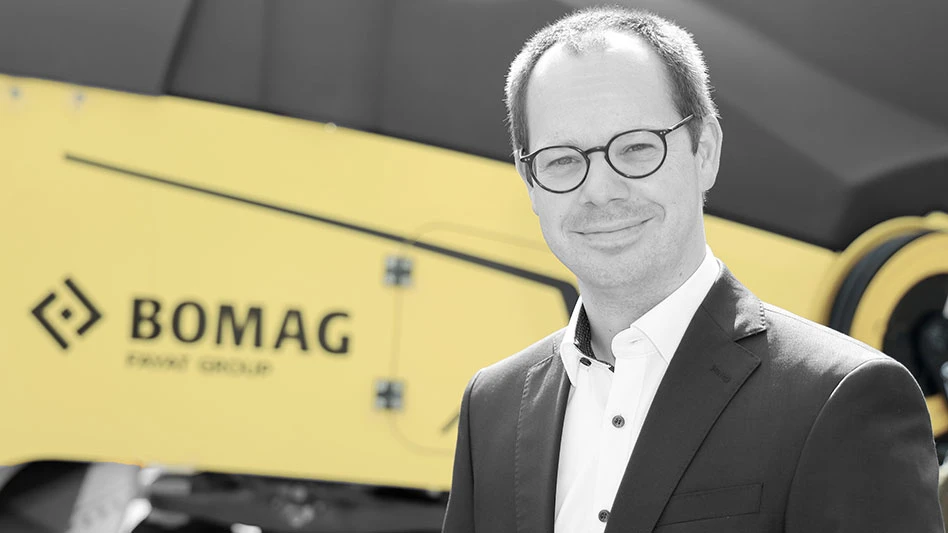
459,517
869,462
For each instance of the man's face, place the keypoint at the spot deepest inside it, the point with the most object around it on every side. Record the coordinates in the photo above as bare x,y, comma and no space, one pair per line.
614,231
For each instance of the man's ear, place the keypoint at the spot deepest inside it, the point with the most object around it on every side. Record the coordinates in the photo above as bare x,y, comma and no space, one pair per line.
708,155
525,176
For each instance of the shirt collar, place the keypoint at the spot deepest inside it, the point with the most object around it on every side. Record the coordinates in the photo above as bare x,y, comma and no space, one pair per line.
664,324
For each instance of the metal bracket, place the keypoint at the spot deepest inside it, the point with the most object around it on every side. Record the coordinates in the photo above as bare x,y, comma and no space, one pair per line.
398,271
389,395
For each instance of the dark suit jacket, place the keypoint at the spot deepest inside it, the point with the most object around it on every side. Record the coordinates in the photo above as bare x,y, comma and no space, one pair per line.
763,422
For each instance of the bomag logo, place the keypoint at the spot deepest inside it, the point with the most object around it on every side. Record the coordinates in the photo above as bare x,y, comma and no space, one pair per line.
220,328
189,321
72,305
188,335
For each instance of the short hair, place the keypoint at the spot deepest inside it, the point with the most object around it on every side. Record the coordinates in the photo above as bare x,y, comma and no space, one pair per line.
583,30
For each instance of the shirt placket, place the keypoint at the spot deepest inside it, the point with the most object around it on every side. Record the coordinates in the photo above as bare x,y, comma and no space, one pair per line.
616,430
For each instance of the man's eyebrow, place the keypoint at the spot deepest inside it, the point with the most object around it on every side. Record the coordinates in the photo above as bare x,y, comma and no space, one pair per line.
569,141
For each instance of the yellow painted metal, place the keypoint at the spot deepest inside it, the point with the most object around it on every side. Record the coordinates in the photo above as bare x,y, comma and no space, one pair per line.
922,258
238,407
938,410
864,244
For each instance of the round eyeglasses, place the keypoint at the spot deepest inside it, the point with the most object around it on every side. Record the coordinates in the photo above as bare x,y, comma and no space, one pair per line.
633,154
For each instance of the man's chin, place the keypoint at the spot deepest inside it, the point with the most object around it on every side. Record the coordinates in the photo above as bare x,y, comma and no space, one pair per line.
609,270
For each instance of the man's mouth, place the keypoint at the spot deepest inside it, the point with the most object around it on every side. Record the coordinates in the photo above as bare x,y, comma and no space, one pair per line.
612,228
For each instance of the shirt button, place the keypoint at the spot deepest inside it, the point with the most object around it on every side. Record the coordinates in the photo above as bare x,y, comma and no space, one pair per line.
585,361
618,421
603,516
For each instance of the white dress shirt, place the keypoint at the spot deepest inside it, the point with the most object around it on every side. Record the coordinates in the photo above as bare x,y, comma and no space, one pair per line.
606,408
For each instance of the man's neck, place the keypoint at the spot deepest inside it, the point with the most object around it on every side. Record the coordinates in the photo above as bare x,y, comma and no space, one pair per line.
613,309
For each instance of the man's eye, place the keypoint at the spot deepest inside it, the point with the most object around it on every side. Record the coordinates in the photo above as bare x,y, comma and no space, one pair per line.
637,148
561,162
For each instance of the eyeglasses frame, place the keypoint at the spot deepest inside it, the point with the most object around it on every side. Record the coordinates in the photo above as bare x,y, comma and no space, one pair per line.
528,159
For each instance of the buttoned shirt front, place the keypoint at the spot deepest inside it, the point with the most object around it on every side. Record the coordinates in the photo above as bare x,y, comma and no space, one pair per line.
608,404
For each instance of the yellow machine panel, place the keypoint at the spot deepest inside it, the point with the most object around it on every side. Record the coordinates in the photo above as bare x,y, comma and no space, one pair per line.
220,289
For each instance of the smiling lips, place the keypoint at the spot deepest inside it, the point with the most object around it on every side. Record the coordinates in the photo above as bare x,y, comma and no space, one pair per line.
615,228
613,238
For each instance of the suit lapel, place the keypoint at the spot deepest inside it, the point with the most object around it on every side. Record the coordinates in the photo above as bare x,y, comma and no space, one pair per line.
539,429
705,373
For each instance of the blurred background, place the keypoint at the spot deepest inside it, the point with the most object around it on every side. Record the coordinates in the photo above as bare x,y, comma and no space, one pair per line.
248,245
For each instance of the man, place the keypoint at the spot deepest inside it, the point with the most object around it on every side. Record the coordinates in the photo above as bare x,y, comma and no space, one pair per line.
674,400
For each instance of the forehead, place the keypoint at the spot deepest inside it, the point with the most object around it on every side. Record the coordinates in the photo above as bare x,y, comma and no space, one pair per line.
617,83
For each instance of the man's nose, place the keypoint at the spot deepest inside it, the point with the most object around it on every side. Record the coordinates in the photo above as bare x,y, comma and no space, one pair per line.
603,184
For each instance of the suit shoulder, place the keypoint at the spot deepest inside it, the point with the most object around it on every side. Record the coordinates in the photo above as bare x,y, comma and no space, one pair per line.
804,344
512,369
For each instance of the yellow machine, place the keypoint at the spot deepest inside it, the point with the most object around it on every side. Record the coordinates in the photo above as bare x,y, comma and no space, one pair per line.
208,287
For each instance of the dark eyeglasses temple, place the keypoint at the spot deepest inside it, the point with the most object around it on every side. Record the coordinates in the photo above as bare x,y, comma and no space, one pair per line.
681,123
